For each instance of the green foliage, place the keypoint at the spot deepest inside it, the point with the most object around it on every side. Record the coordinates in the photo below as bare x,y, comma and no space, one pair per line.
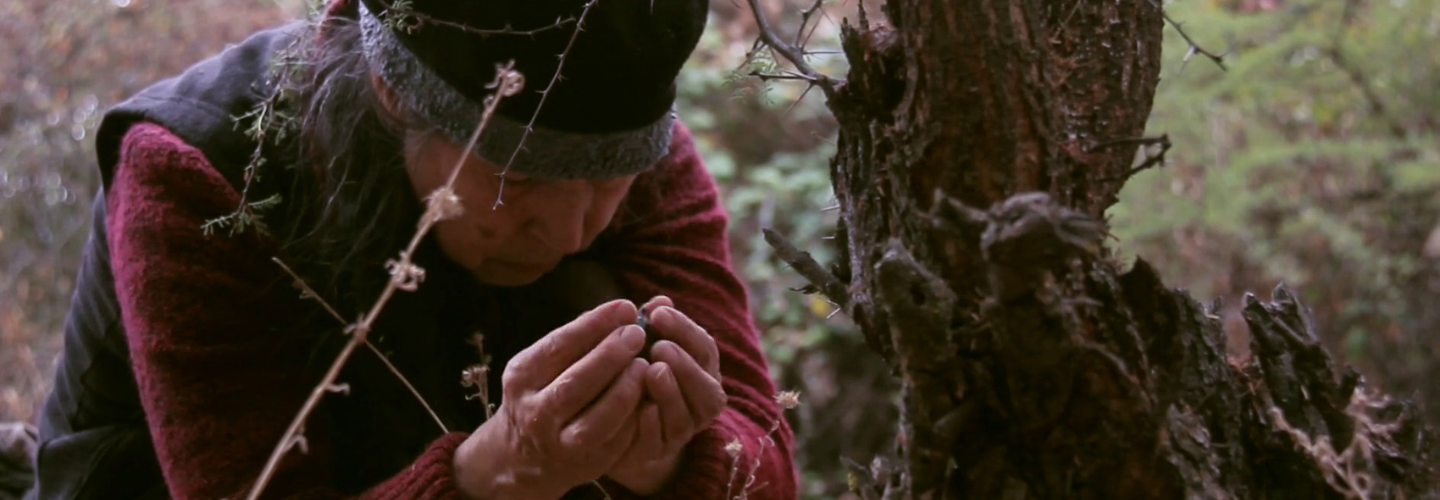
249,215
1312,161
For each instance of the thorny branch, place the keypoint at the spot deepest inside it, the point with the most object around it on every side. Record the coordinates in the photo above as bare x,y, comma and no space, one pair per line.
442,202
801,37
806,265
400,16
1151,160
530,127
792,52
1195,48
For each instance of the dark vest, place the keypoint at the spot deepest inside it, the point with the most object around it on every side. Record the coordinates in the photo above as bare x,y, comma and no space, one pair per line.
94,441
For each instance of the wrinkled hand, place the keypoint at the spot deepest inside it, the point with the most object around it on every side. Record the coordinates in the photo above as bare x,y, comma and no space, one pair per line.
683,395
567,413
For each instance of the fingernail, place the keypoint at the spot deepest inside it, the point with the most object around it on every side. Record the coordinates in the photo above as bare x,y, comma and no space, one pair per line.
633,338
663,345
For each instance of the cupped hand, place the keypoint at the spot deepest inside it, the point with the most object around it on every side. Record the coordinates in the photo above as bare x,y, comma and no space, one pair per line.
568,411
683,395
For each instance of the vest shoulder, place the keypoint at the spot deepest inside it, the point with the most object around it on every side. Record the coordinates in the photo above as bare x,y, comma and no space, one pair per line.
202,104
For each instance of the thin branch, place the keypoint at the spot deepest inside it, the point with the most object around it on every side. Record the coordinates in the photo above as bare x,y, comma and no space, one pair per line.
425,19
406,382
1150,160
404,275
530,127
811,270
1195,48
307,292
788,51
411,20
787,75
1145,141
804,20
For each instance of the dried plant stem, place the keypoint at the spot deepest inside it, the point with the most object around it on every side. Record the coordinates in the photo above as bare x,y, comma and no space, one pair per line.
529,127
403,274
310,293
406,382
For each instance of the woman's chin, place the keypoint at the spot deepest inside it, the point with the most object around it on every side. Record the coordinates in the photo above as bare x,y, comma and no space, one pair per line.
506,274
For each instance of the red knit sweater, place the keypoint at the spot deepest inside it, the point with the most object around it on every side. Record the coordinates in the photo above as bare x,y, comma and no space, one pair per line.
218,389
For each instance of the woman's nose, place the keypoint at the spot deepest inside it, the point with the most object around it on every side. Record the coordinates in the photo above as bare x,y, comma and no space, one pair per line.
562,217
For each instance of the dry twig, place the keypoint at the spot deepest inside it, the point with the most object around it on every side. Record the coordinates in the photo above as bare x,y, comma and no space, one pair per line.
309,293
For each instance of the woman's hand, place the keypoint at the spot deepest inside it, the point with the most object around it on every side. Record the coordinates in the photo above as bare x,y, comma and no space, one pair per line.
682,385
567,413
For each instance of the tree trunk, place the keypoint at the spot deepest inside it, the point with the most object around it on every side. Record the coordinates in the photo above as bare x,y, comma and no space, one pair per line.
1032,364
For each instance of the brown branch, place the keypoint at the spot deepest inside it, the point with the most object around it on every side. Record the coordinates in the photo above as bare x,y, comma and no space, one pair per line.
507,30
788,51
800,36
811,270
1195,48
421,19
1150,160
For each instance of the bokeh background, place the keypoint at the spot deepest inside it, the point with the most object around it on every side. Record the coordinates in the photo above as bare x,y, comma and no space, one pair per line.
1311,161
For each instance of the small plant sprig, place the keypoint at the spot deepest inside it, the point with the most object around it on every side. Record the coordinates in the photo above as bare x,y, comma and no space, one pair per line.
787,400
477,376
269,121
441,204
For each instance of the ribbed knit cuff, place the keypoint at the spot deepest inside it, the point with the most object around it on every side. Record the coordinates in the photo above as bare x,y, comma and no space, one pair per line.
431,477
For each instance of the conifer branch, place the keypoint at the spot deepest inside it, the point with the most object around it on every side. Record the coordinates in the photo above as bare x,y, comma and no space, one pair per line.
404,274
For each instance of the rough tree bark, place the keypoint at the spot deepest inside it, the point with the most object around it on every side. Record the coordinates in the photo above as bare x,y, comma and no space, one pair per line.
1033,364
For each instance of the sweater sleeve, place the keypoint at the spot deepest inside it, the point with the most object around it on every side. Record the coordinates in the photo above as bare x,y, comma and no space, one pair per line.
218,384
676,245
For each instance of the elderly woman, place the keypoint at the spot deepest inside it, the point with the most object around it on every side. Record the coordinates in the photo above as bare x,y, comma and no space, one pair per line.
189,350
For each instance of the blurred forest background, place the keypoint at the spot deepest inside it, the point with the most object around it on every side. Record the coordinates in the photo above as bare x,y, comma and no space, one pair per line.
1313,160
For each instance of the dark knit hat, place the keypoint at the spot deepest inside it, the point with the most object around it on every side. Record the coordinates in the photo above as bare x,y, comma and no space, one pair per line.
609,114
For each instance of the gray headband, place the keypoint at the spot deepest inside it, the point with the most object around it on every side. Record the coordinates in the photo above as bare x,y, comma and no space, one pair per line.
547,153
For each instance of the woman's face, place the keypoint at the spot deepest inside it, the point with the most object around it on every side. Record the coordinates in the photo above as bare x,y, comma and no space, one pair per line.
540,221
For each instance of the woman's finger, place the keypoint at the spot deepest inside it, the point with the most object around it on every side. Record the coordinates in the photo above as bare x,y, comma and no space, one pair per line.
676,327
596,425
703,394
584,381
538,365
676,422
648,442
